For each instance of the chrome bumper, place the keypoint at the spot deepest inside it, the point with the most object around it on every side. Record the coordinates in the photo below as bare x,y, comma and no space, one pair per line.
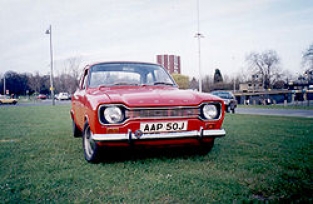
175,135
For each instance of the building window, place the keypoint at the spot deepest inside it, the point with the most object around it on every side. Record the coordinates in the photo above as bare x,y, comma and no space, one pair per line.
170,62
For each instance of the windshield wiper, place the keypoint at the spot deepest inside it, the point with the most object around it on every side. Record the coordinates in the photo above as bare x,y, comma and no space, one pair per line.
125,84
162,83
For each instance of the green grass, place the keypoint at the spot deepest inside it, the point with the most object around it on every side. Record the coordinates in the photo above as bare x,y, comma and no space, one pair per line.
262,158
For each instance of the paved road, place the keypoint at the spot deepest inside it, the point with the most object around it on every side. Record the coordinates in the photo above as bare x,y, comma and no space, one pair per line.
279,112
38,103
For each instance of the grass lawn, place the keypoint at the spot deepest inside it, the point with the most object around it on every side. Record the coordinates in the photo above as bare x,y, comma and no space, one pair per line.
262,158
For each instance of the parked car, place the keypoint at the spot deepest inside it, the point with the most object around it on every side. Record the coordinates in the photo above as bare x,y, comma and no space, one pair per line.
42,97
229,100
134,104
63,96
4,99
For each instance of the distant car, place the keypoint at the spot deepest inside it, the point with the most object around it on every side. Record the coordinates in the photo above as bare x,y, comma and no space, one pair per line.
42,97
4,99
139,105
63,96
229,100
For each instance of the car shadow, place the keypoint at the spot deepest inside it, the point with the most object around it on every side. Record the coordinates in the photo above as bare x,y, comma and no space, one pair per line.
131,154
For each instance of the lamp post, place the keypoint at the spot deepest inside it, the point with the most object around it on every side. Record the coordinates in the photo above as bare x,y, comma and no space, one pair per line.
49,32
199,36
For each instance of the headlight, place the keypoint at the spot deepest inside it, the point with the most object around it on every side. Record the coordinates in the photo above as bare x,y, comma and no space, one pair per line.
210,111
113,114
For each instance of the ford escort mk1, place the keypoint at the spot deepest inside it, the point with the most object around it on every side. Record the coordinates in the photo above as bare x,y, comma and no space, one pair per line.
124,104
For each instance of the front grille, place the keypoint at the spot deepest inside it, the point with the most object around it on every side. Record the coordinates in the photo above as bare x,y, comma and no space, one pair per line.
160,113
163,113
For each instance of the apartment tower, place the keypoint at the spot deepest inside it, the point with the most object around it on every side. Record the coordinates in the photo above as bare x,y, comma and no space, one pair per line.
170,62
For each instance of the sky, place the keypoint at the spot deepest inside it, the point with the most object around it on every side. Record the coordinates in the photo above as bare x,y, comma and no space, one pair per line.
138,30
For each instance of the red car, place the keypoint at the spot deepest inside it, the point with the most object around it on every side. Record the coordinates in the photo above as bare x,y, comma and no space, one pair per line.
123,104
42,97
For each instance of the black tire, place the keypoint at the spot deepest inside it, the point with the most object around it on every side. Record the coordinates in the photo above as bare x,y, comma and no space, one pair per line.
76,131
91,149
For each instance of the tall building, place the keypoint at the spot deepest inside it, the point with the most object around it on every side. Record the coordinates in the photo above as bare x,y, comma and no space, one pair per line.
170,62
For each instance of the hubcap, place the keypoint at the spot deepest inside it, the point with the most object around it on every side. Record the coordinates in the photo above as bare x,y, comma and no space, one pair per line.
89,143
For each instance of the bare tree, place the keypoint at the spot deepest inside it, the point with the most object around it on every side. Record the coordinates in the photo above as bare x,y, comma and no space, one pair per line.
73,65
67,79
34,82
207,83
194,84
265,65
308,63
308,57
230,83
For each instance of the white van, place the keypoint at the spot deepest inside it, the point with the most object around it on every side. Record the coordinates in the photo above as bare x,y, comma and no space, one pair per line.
63,96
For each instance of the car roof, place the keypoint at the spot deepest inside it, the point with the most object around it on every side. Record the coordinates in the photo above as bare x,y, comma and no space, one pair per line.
122,62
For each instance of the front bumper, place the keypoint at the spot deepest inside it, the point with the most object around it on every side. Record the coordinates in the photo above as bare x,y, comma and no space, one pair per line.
174,135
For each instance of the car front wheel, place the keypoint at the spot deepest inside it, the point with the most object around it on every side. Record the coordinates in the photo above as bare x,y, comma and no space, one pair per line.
91,149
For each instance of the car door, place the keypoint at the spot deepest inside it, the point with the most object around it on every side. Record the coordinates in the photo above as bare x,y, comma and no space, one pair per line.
78,100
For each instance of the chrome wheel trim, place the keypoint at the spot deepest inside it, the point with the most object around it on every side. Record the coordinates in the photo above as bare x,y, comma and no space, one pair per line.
89,143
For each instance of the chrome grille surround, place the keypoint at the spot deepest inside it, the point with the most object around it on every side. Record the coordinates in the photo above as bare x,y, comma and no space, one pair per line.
159,113
170,112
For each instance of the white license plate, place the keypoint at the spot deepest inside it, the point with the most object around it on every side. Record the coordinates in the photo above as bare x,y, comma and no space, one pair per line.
163,127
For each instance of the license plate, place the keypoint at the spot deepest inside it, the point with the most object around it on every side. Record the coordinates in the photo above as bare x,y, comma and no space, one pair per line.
163,127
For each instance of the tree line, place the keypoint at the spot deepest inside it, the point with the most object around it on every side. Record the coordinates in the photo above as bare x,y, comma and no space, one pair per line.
263,67
28,84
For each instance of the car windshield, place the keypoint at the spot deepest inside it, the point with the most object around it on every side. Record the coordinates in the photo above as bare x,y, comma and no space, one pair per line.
223,95
117,74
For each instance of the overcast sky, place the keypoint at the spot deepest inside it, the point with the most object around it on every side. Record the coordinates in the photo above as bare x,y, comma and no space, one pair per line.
138,30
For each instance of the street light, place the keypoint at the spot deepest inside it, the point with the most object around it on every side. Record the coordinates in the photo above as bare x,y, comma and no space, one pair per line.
49,32
199,36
